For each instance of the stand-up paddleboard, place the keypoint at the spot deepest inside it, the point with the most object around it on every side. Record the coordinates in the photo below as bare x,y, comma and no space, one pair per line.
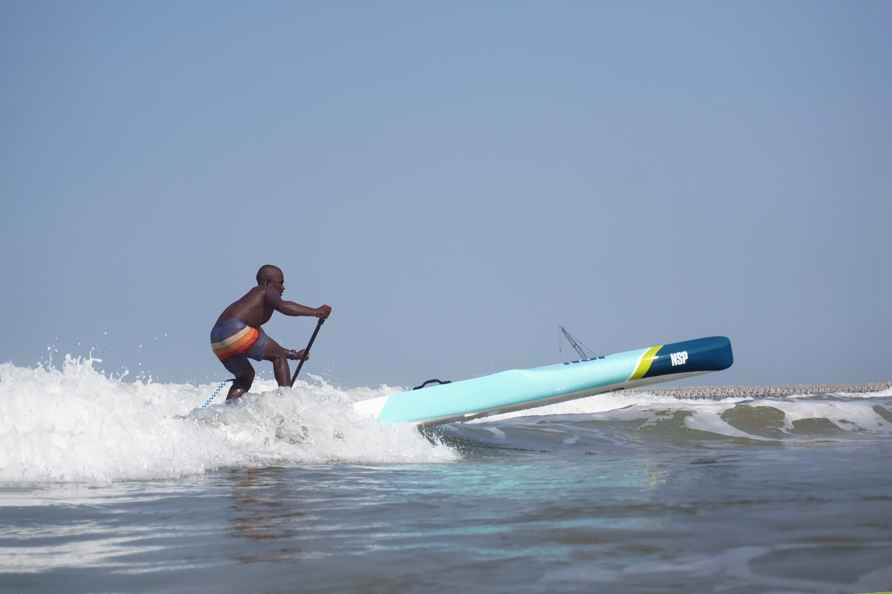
518,389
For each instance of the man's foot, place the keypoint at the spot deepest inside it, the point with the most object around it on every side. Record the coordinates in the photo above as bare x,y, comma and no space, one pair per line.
235,394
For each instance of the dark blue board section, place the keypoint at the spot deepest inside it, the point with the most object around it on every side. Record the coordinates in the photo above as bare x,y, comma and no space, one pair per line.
701,354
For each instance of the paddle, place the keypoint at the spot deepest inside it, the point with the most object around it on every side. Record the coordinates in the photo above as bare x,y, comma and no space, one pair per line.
307,350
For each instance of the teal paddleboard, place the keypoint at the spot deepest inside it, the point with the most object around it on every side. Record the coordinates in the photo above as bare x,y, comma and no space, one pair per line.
519,389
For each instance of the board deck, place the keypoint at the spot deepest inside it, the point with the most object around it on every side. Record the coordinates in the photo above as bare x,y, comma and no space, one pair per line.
519,389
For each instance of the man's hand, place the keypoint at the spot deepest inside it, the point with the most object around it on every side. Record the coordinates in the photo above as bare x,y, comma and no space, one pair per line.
298,355
323,311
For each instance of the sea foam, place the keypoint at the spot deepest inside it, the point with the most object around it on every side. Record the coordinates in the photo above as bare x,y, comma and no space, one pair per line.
78,424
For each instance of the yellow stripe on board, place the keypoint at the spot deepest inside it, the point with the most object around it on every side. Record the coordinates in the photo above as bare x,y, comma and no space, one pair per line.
645,362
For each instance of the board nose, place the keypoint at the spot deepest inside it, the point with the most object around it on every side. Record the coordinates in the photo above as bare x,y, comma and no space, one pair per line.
712,353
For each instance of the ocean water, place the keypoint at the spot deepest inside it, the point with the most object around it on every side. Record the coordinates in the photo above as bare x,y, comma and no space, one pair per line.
125,486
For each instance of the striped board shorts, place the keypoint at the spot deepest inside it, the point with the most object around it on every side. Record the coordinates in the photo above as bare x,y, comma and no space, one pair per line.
234,338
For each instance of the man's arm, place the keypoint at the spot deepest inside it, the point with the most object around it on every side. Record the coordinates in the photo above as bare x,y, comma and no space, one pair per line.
291,308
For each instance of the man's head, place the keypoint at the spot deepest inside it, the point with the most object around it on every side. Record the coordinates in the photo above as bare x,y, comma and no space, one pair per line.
269,275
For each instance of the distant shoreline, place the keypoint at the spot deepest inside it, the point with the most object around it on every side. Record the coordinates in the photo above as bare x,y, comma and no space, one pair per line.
746,391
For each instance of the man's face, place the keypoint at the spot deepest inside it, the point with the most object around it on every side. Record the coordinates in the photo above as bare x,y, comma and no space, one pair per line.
277,282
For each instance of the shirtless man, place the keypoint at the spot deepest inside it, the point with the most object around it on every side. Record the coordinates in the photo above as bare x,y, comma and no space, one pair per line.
237,334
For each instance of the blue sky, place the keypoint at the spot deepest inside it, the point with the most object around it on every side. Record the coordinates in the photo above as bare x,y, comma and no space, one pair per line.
455,179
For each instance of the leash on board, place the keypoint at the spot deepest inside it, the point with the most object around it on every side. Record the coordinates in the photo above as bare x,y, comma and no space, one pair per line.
307,350
214,395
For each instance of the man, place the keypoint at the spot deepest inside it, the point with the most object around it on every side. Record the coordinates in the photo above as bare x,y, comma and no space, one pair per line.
237,334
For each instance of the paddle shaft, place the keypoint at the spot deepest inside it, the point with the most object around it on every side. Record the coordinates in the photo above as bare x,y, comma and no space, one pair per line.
307,350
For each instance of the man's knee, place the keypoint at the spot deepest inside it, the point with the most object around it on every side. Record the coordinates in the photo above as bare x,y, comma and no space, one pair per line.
277,357
274,352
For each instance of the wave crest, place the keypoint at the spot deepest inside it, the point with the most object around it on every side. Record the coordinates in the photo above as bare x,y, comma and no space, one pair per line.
78,424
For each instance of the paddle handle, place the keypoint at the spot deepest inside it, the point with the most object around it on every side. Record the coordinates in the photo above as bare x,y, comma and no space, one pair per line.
307,350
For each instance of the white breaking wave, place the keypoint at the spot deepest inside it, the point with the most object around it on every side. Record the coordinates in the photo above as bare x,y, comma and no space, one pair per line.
879,394
601,403
856,414
77,424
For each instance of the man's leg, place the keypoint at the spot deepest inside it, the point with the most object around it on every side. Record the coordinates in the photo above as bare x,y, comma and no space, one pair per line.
279,358
244,377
